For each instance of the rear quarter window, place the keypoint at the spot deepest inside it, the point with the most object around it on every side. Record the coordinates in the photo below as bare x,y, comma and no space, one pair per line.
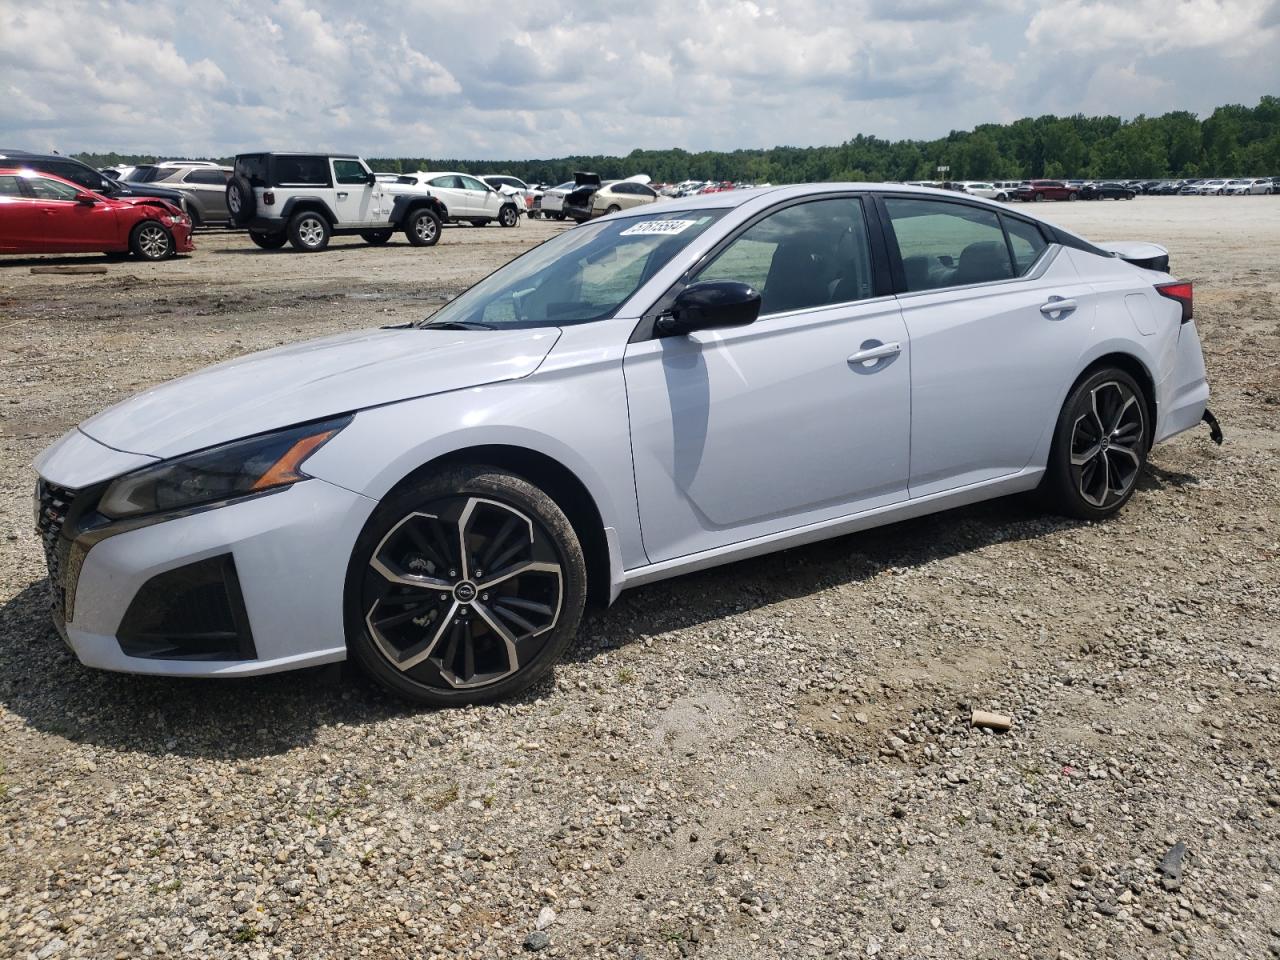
300,171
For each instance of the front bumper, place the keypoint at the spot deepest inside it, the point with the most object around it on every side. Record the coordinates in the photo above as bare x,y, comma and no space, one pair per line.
286,553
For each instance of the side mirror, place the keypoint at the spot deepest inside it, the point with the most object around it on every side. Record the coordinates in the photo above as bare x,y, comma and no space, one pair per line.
88,199
710,305
371,179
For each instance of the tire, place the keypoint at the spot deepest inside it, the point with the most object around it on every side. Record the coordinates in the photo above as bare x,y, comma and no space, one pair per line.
508,216
241,202
151,240
196,222
1038,197
1072,195
1099,446
613,208
376,237
269,241
1002,197
422,227
414,533
478,222
560,217
309,232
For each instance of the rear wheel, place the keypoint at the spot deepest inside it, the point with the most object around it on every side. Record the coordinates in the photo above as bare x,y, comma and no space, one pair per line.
309,232
1099,446
559,216
269,241
151,240
376,237
1072,195
465,587
613,208
422,228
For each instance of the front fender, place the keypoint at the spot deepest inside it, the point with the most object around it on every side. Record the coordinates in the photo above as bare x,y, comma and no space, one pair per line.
383,445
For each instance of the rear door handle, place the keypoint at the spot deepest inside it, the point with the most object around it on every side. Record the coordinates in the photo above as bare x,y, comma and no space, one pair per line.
875,353
1057,305
342,196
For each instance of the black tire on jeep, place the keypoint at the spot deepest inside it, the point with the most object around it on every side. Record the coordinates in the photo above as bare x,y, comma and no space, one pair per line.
478,222
309,231
376,237
422,227
269,241
241,202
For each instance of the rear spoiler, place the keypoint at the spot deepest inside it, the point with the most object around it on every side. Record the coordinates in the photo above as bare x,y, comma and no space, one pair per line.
1150,256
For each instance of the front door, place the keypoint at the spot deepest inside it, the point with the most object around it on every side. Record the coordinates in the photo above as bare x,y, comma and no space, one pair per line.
481,200
355,195
989,353
65,224
799,418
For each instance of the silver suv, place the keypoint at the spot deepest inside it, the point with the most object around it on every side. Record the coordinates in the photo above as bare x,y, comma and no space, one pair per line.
306,198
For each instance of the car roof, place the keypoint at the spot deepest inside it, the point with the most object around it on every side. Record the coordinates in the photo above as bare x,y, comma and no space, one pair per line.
445,173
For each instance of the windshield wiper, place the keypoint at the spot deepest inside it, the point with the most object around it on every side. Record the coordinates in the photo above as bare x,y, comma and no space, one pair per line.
454,325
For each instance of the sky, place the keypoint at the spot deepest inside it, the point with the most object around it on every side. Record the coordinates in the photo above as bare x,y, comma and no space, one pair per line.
482,80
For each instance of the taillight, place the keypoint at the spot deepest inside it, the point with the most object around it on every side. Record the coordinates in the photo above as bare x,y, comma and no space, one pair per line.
1180,291
268,198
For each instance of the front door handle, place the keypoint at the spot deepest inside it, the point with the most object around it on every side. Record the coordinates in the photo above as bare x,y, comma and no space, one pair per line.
1058,306
872,354
342,196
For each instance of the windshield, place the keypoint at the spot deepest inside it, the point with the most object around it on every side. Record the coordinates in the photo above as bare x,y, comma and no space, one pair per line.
582,275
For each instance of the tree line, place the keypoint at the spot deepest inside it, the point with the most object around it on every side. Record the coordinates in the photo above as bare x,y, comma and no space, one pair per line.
1234,140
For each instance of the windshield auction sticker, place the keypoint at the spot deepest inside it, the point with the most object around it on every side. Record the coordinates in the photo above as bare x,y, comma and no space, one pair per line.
663,227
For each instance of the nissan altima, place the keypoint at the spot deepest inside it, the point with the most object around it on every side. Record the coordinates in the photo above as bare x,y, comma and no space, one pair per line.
658,391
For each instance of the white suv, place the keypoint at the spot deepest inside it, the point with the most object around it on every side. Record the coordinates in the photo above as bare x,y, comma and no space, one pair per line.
306,198
466,198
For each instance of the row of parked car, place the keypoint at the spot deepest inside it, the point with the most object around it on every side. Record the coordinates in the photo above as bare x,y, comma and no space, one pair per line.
1035,190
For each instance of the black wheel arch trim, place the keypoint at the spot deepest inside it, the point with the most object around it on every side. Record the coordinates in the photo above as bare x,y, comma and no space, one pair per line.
300,204
406,204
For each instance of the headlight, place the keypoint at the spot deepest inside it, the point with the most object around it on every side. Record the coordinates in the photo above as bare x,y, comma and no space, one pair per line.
232,470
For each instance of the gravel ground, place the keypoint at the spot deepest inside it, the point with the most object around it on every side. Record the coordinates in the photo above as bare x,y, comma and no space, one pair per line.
773,759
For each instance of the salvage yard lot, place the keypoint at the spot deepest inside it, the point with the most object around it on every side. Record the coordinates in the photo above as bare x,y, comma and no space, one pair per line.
771,759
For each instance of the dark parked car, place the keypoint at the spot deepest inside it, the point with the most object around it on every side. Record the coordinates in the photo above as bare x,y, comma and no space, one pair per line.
1047,190
85,176
1106,191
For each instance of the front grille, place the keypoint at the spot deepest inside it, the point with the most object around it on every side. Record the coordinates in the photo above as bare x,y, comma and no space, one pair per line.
54,504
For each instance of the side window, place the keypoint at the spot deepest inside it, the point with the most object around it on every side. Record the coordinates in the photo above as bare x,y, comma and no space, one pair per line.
51,189
349,173
1026,241
87,177
447,183
204,175
10,186
471,183
803,256
948,244
301,171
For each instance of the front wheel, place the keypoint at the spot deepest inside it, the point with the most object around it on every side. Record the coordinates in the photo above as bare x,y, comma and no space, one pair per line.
1002,197
613,208
309,232
1038,197
422,228
1099,446
463,588
509,216
1072,195
151,240
560,217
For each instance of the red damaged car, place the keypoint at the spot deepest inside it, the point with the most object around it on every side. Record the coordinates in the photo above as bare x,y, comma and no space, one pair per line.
1046,190
41,213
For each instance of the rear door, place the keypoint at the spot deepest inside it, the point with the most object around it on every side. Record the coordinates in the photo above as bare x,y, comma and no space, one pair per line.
989,348
449,190
208,186
798,418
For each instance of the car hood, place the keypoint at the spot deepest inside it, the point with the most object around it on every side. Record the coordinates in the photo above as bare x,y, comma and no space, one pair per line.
307,381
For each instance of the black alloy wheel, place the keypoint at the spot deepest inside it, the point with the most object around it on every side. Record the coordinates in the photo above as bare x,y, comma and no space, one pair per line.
464,588
1100,446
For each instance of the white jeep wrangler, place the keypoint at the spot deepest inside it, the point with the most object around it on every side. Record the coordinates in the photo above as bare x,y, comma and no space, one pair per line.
306,198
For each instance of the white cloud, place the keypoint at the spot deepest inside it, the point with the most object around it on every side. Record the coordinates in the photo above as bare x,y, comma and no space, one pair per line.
486,79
